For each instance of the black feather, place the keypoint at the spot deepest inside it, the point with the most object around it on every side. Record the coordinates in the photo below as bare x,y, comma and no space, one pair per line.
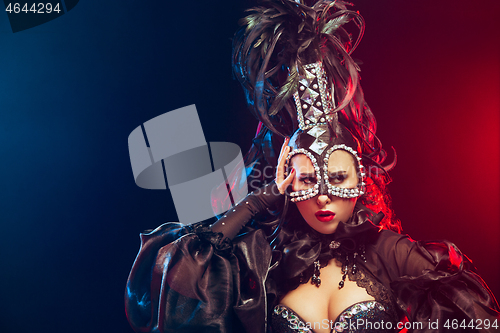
278,38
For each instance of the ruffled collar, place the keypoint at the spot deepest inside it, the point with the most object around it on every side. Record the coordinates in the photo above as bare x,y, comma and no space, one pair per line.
308,246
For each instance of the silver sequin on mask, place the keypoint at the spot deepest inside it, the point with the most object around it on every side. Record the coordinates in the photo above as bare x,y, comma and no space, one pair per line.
323,179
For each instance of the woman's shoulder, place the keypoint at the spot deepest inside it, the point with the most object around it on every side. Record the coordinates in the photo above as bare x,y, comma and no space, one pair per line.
391,241
413,257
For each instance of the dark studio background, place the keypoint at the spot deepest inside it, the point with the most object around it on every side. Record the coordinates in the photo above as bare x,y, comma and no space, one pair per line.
73,89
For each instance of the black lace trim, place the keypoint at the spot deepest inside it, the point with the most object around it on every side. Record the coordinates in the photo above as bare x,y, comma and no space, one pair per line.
222,245
374,289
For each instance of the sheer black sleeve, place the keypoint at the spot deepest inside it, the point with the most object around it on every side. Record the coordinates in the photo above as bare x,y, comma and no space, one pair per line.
254,203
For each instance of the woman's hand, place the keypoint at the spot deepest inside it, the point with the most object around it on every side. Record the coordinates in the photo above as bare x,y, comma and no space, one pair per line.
281,181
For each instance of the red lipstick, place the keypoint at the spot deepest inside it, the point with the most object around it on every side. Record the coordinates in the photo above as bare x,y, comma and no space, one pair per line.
324,215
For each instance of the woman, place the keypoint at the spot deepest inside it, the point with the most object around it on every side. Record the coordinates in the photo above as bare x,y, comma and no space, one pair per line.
318,248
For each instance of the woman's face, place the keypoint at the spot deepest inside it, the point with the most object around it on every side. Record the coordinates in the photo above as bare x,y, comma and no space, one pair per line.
324,212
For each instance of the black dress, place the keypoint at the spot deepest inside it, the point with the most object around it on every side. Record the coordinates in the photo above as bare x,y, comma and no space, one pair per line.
188,279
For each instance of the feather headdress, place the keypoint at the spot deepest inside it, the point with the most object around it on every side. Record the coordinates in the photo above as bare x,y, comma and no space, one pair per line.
280,37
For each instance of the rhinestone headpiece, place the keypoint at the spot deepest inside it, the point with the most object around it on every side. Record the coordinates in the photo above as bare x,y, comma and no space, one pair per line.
315,108
314,98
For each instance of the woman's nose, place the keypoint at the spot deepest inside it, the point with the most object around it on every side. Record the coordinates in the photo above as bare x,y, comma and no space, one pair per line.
323,200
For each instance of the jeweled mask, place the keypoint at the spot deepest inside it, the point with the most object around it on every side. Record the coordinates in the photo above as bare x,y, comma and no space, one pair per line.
302,141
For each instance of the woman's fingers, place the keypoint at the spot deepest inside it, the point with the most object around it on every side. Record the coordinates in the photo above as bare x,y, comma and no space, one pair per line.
280,168
285,144
288,180
285,183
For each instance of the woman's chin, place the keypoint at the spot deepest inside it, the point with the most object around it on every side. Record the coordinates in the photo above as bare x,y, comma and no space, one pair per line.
325,228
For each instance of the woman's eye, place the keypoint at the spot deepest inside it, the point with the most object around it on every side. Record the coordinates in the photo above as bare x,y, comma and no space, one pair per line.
337,179
308,180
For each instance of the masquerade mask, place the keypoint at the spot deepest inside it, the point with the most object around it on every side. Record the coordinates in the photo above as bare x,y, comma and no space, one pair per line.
317,140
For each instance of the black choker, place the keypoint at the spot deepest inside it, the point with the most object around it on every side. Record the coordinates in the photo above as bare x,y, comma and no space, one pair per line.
348,260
